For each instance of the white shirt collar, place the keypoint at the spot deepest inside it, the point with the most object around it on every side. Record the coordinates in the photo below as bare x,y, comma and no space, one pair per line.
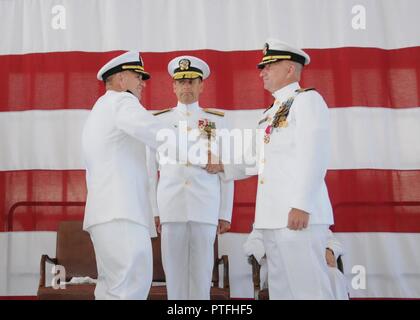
286,91
185,108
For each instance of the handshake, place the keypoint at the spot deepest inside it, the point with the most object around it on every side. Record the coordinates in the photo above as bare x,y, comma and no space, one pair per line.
213,164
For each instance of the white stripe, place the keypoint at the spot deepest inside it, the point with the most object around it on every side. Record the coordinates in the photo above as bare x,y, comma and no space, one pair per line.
375,138
389,259
362,138
21,255
164,25
41,139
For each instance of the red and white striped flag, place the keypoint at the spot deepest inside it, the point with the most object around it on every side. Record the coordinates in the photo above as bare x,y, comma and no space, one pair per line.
365,61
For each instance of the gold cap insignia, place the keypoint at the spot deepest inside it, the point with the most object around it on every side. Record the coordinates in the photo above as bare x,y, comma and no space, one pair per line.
265,49
184,64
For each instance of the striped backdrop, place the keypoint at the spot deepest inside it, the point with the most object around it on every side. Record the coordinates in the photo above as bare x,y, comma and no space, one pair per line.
51,50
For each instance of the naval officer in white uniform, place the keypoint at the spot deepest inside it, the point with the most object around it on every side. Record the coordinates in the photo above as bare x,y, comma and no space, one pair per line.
191,205
293,209
254,245
118,214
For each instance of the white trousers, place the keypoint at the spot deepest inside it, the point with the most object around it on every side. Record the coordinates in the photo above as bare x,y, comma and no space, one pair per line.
338,284
188,259
337,280
297,268
124,260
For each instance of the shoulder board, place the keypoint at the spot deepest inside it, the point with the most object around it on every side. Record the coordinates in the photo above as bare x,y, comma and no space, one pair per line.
215,112
304,90
268,108
161,111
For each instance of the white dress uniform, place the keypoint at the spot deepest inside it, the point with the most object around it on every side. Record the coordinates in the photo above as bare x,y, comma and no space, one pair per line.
254,245
337,278
293,159
118,212
189,203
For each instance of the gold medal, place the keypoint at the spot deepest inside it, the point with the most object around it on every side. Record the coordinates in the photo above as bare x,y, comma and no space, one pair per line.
283,124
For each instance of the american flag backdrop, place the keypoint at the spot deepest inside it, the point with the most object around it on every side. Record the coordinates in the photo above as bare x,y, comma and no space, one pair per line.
365,61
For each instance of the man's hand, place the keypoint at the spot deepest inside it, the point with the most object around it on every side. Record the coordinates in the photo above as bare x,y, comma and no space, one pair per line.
213,164
158,225
331,261
223,226
298,219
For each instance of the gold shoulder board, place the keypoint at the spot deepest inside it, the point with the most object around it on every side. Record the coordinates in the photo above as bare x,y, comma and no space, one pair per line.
304,90
156,113
215,112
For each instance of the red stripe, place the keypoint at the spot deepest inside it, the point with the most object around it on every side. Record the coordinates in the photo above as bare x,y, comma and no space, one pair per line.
375,200
363,200
344,76
40,186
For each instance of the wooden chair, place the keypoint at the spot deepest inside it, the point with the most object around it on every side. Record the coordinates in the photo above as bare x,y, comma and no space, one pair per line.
76,254
158,292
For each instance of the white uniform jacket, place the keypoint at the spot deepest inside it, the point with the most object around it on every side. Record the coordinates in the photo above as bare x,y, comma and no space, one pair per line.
293,164
113,141
186,192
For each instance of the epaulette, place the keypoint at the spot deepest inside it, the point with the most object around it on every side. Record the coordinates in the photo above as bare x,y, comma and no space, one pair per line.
215,112
161,111
304,90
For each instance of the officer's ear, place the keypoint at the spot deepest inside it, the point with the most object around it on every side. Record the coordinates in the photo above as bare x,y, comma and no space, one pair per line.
174,86
119,77
201,84
297,69
291,69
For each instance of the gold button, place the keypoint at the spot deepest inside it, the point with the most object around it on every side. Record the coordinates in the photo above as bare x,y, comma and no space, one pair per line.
189,129
262,160
262,181
188,113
